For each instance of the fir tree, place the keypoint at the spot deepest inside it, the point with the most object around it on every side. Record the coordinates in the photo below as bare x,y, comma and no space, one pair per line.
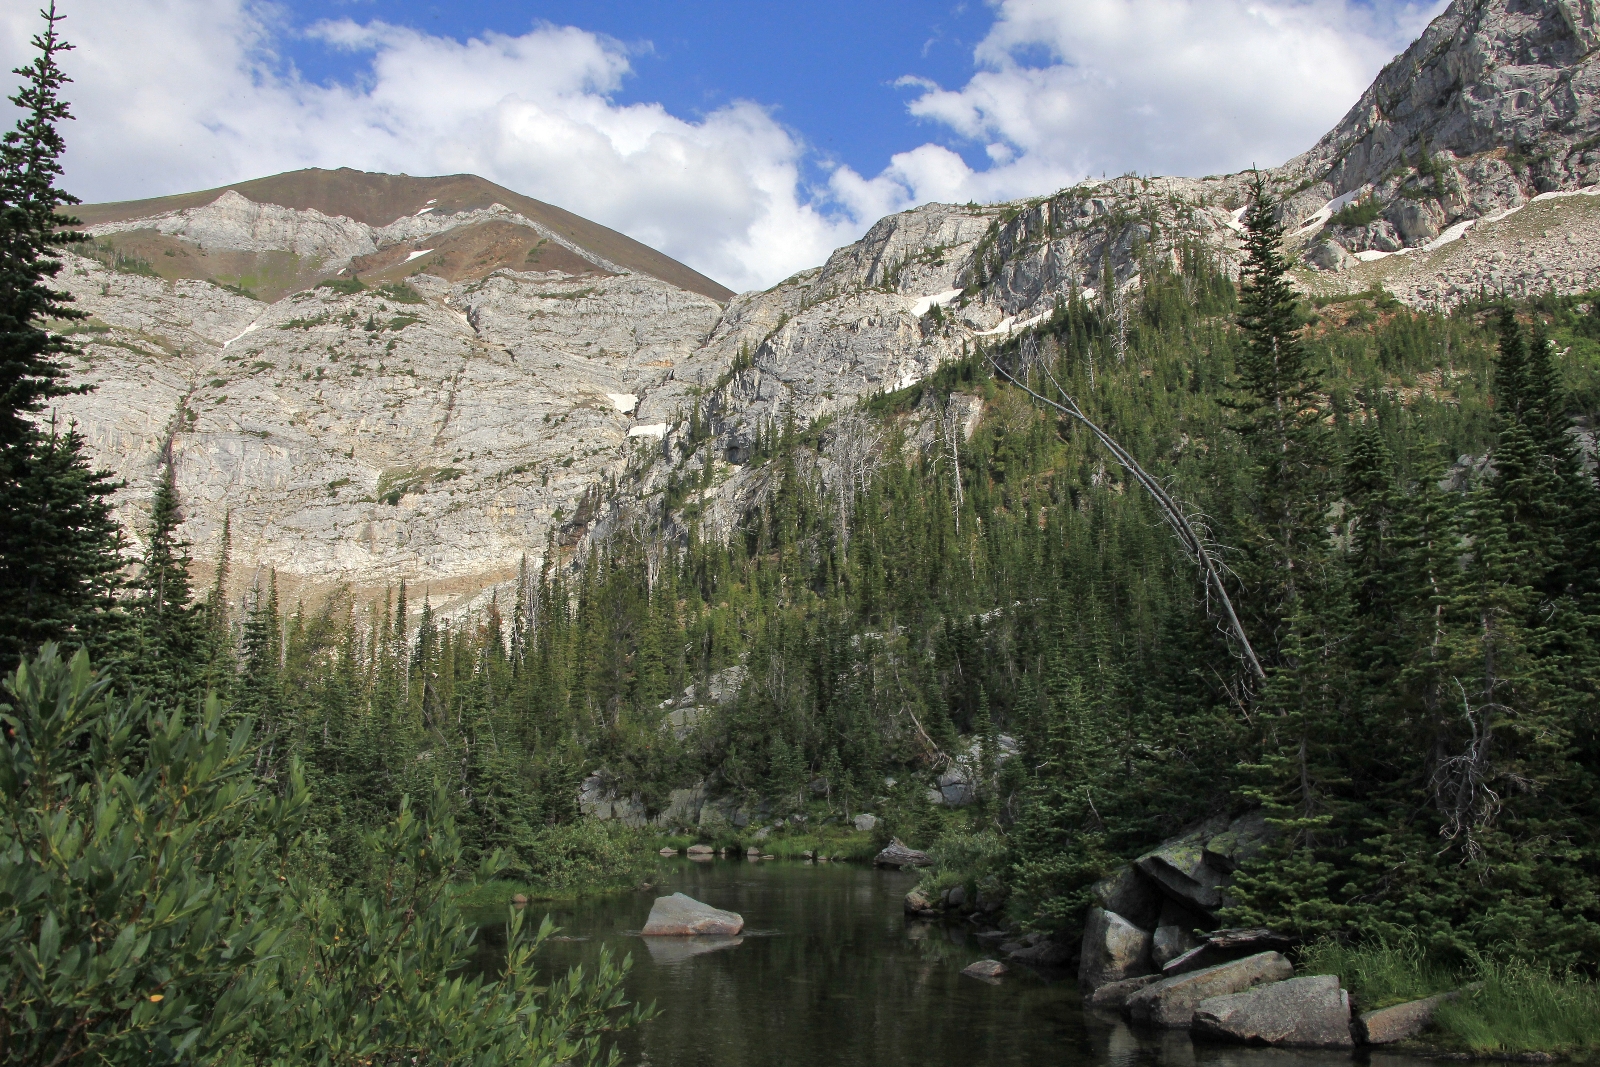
59,546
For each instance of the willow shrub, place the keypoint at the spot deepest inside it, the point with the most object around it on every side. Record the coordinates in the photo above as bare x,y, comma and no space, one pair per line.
152,910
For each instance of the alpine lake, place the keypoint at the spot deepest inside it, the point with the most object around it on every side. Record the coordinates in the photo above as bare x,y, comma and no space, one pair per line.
829,970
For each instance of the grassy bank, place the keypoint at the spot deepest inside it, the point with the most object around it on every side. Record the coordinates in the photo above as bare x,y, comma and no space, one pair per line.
1505,1008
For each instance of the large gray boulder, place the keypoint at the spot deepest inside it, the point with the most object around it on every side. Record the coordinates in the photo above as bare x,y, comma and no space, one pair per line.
1400,1022
1172,1001
1113,949
683,916
896,854
1179,867
1308,1012
1131,895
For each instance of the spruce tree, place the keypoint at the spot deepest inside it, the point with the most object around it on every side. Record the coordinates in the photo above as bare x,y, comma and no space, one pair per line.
59,545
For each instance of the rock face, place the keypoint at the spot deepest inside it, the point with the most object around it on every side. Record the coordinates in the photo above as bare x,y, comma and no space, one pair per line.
1300,1012
1113,950
1172,1001
1401,1022
540,373
683,916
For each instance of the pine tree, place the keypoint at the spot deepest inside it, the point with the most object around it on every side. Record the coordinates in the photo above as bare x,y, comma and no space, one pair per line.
173,648
60,550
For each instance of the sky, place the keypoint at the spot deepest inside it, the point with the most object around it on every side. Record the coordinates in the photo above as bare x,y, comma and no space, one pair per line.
746,139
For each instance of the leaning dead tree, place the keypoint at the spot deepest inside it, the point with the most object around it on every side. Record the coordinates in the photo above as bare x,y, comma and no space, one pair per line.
1194,545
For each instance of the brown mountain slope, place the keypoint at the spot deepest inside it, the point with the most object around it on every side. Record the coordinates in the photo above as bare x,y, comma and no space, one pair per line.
379,199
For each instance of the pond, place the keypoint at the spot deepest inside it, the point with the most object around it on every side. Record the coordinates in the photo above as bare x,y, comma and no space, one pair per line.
829,971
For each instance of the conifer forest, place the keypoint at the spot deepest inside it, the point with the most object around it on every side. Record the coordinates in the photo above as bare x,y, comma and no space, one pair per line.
1341,566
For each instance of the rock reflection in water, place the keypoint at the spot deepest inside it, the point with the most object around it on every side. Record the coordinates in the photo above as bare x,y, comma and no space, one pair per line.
670,950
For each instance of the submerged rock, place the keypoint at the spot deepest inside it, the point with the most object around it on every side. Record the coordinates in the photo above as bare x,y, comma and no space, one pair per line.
683,916
1308,1012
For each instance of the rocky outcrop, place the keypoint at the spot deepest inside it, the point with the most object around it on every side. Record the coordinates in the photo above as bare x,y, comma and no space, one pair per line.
1170,895
1298,1013
683,916
1171,1002
1113,950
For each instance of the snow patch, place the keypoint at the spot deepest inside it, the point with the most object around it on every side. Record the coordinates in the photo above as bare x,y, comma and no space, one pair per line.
1330,209
248,329
623,402
417,254
1454,233
657,430
1013,324
424,211
1234,222
1372,255
1587,190
928,303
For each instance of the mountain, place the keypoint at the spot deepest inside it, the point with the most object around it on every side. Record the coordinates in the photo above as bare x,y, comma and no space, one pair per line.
349,221
505,372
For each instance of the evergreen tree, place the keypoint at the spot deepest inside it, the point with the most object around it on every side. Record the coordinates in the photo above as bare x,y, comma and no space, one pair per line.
59,546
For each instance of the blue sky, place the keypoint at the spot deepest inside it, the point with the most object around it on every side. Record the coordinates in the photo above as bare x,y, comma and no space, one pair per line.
829,69
747,140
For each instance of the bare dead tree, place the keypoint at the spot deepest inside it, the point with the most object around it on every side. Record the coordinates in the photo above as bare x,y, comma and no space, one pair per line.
856,449
1460,783
950,429
1189,536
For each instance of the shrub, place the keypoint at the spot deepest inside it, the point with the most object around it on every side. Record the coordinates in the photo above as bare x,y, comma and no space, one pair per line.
1359,213
155,907
346,286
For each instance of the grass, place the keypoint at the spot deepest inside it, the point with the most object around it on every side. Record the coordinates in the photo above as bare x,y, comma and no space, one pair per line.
1380,973
1506,1008
400,293
1521,1008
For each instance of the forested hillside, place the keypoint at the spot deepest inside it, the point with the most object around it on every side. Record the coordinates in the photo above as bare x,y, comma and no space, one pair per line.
1399,499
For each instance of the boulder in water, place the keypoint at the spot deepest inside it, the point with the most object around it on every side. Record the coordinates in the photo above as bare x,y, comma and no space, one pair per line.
984,969
1172,1001
1298,1013
683,916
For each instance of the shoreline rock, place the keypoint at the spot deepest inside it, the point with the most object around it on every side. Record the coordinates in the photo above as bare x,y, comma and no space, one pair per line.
1171,1002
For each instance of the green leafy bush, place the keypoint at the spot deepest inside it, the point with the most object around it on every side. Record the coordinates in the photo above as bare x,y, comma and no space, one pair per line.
156,907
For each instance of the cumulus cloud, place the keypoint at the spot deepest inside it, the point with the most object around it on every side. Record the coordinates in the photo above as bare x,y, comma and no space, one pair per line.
175,95
1068,89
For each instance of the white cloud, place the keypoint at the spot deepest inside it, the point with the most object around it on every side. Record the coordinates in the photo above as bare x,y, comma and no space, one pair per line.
1069,89
174,95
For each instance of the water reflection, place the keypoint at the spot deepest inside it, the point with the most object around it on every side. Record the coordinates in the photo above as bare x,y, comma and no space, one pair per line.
829,971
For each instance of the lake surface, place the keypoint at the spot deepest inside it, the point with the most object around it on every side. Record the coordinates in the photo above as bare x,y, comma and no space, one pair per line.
829,971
